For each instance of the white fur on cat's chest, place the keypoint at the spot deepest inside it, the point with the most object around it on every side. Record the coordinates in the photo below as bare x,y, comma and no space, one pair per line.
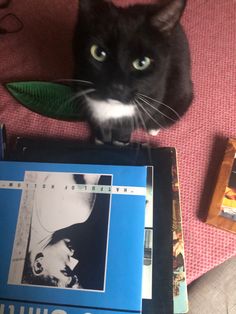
103,111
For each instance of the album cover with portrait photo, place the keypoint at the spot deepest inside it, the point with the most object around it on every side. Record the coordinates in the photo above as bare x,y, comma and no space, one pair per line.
72,235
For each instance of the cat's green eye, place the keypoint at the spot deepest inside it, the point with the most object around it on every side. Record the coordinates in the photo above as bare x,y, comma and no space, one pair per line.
142,63
98,53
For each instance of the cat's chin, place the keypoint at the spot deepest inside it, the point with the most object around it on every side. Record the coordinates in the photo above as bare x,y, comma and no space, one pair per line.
110,109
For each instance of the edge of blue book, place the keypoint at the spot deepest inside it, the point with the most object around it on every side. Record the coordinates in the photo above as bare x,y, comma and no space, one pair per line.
72,237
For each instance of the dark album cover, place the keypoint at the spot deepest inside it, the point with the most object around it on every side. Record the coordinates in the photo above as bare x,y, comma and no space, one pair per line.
159,290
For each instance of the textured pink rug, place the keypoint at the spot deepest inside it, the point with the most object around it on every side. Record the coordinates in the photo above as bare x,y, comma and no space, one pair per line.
42,51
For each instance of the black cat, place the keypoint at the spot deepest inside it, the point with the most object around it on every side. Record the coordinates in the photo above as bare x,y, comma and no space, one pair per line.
132,67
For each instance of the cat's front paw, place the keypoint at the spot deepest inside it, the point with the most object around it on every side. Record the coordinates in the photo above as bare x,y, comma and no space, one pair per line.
118,143
98,141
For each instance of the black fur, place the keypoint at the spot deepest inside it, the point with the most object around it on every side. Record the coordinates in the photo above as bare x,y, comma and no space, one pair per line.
127,34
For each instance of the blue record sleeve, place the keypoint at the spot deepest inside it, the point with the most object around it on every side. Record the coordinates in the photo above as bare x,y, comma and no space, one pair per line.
72,238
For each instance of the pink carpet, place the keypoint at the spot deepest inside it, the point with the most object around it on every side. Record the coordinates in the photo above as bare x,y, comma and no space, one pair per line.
42,51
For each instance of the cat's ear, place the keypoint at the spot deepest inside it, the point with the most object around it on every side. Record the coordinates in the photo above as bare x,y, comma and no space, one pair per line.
168,15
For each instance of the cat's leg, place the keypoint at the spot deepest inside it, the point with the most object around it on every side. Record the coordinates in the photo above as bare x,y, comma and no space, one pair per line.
116,136
121,132
115,132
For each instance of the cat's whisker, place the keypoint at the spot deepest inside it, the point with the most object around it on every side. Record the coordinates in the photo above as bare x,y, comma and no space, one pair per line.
156,109
85,92
132,122
69,101
146,133
161,103
135,122
140,117
137,126
80,94
135,118
75,81
110,128
59,106
143,124
149,115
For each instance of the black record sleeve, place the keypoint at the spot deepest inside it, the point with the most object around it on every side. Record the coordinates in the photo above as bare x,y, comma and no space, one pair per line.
46,150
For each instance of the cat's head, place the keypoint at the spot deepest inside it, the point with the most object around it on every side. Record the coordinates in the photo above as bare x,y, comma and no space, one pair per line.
124,51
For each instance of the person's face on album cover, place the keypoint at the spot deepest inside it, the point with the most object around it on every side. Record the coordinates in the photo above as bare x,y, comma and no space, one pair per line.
56,261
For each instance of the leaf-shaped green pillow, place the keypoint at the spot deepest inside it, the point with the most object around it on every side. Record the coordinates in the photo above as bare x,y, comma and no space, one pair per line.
49,99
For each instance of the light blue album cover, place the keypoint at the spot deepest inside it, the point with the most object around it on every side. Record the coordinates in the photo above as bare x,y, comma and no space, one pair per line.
72,237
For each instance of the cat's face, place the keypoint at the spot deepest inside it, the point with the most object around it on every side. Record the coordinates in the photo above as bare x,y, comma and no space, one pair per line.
122,53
